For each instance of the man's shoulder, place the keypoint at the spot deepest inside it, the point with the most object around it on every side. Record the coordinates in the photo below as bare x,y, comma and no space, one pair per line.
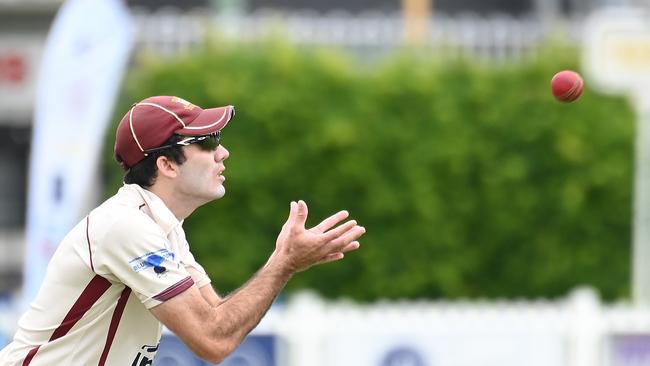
118,215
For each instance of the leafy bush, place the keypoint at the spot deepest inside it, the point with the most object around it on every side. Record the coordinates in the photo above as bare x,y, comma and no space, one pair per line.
471,180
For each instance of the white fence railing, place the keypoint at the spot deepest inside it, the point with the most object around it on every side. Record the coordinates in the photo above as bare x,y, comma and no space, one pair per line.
577,331
497,37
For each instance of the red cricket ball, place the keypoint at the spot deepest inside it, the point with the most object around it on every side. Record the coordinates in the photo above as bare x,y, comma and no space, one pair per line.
566,86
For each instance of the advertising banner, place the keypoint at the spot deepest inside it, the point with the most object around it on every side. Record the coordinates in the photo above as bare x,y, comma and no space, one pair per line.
84,59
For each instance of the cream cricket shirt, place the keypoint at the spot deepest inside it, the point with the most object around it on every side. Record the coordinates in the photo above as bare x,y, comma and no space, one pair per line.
127,256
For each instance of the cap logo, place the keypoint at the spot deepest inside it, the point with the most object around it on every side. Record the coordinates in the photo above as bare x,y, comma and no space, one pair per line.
187,105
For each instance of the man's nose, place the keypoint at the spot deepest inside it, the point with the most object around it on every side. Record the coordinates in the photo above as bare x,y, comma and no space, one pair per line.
221,153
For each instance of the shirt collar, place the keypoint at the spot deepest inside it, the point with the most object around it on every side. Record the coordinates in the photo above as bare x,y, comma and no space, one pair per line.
160,213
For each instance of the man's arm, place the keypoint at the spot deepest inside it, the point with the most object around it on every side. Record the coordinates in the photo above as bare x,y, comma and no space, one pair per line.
210,295
207,291
214,331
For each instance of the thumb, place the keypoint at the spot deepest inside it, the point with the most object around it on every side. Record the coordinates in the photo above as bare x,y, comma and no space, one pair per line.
301,213
293,213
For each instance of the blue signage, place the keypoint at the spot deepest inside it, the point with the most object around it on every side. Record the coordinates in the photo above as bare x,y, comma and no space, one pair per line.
403,356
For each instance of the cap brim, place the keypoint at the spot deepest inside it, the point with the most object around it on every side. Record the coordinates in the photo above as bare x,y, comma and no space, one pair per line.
208,121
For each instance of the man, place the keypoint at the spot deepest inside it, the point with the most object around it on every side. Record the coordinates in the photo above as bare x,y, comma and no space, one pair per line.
127,267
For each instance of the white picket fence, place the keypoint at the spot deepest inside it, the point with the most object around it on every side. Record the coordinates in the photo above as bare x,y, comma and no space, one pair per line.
576,331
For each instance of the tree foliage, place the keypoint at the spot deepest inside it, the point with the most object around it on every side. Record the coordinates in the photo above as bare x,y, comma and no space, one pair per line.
471,180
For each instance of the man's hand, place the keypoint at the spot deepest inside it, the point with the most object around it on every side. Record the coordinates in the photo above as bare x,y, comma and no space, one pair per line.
299,248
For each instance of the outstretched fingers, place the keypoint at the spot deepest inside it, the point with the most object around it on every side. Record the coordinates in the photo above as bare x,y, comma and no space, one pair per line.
339,255
331,258
339,230
354,245
331,221
343,235
346,238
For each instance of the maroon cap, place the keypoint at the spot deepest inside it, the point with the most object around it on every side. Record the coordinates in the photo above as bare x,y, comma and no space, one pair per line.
151,122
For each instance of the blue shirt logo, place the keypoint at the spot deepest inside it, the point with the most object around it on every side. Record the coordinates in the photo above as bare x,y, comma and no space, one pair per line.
153,260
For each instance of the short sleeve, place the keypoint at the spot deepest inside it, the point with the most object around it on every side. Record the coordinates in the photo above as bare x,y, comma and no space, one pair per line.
201,277
136,252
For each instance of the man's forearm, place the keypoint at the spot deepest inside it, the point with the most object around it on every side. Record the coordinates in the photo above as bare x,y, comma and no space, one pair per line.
241,311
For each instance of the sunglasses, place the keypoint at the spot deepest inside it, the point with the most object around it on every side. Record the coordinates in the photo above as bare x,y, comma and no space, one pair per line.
205,142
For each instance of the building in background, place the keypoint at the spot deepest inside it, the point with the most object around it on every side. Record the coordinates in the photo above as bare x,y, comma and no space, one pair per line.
451,7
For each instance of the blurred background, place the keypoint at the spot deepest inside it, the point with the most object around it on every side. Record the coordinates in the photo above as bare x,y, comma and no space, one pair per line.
499,220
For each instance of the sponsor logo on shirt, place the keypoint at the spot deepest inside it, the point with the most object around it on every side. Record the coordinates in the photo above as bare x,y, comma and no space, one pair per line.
153,260
141,359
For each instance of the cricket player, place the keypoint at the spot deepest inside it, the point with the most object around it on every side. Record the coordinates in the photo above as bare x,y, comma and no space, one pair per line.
126,268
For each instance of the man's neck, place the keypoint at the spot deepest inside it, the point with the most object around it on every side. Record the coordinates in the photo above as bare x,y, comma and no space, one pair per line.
181,207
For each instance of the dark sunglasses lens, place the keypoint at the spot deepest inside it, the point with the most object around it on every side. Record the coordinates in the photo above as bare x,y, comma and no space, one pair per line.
209,143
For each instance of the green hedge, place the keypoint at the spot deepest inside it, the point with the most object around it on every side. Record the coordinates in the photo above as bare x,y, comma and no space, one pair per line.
471,180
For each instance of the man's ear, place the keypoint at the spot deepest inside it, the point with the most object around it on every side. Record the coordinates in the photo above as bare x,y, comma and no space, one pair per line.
166,167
